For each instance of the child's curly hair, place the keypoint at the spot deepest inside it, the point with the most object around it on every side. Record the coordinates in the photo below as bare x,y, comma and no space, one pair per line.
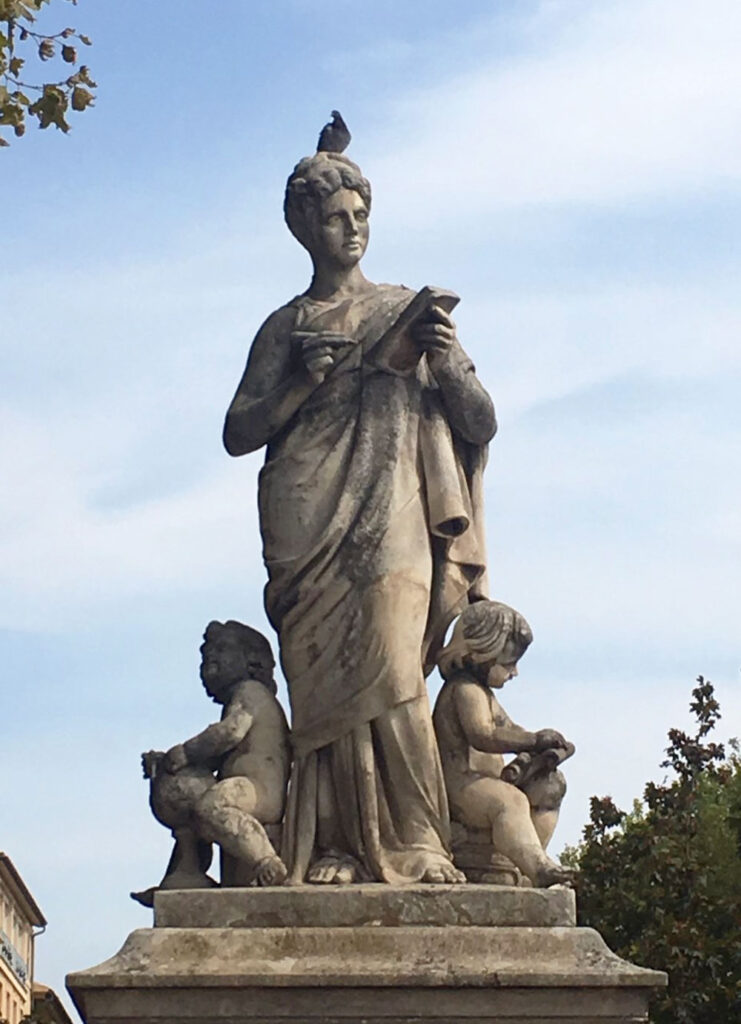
486,629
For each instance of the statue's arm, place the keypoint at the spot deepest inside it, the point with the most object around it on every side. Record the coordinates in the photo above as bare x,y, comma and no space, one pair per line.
479,728
269,392
469,409
221,737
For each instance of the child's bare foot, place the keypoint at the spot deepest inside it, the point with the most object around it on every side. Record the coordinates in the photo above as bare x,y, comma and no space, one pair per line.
271,871
554,874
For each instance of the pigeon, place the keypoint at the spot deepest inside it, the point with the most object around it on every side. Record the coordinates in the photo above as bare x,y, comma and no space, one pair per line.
334,136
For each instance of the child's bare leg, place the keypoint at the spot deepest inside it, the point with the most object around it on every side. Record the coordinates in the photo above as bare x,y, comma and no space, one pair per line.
544,823
172,798
507,812
514,834
545,794
225,815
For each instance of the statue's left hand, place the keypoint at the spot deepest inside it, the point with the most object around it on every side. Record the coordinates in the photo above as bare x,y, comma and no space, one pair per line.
175,759
435,335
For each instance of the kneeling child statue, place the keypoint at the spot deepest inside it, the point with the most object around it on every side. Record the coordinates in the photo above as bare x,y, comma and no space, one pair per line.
225,784
473,731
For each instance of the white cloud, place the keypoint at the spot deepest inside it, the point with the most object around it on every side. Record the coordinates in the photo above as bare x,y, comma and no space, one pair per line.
617,535
544,345
63,556
613,102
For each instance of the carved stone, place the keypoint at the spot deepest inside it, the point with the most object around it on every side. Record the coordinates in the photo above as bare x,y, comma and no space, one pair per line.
227,785
365,955
505,815
376,429
477,857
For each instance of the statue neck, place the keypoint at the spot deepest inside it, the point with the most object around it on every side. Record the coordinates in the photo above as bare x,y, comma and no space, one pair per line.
330,281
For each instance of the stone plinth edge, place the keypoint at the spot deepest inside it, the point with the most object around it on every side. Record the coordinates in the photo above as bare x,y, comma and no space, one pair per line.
365,905
412,958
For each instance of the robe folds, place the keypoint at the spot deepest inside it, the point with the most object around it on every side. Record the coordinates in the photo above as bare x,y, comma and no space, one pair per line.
371,517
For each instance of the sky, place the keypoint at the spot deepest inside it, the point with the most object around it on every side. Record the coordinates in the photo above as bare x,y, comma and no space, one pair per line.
570,168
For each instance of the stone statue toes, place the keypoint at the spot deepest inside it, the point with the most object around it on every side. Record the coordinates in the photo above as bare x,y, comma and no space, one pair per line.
335,868
271,871
442,872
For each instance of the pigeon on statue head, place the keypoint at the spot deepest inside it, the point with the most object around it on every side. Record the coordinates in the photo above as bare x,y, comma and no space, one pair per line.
334,136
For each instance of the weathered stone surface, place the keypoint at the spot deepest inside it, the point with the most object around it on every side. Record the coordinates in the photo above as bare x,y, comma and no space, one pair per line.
226,784
375,427
503,816
366,905
444,1005
371,953
371,515
376,956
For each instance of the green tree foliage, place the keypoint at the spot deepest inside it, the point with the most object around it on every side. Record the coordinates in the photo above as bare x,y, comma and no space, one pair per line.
663,883
48,102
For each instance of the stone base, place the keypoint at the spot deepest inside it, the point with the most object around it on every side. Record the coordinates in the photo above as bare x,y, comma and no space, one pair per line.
364,955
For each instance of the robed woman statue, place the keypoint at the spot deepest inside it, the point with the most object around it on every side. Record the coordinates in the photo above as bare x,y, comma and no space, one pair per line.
371,519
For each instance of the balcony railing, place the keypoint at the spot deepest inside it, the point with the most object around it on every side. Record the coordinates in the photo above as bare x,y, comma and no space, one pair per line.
13,958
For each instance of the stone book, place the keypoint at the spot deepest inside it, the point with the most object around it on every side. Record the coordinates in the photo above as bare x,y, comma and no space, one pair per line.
396,350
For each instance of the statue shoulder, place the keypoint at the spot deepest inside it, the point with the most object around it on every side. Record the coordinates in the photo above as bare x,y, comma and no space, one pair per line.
397,290
468,693
451,688
280,323
257,698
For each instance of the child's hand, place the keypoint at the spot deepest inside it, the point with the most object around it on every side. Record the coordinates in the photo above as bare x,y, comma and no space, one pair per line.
175,759
546,738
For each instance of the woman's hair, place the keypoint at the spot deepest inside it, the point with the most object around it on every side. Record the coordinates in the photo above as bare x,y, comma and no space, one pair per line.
316,178
484,630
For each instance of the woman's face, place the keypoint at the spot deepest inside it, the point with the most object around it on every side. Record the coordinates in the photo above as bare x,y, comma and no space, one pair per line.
341,234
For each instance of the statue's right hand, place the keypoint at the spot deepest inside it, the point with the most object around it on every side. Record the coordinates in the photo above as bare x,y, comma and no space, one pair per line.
319,363
320,350
547,738
151,760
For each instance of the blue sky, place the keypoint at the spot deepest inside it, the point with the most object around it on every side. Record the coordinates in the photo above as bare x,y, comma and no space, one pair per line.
570,168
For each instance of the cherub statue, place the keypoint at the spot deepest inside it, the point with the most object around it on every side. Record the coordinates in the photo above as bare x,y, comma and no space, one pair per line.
473,731
223,785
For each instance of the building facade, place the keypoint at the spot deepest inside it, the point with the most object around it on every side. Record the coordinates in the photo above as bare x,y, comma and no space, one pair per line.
19,918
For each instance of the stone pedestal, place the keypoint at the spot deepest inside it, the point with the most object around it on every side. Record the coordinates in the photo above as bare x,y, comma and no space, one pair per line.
374,954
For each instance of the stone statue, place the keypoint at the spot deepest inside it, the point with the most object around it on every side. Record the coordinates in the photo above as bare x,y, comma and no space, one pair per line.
370,502
376,430
223,785
473,732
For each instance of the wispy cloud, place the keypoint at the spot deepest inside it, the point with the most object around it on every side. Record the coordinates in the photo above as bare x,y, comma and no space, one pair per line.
614,101
117,483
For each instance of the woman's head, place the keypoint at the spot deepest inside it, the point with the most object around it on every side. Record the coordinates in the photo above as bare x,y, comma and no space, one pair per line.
487,633
326,206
